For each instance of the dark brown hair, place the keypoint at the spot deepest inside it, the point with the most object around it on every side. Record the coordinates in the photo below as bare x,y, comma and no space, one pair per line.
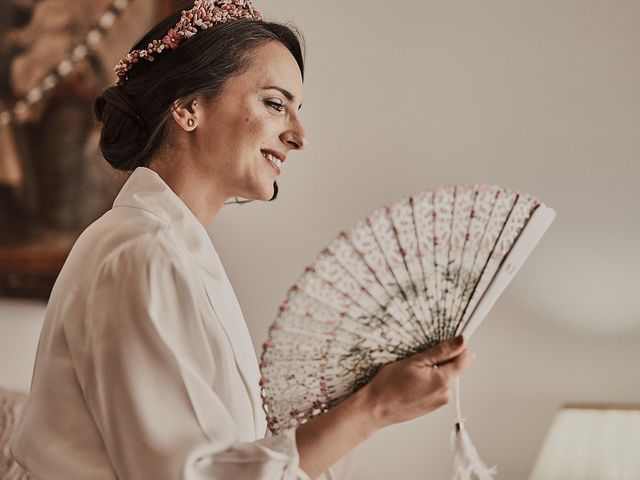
135,115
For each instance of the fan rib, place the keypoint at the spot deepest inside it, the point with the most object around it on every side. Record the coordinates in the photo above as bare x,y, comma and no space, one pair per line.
421,235
396,263
370,285
398,307
346,308
402,216
462,245
325,269
478,288
489,196
517,220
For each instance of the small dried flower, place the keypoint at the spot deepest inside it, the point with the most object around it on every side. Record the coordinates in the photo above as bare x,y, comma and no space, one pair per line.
172,39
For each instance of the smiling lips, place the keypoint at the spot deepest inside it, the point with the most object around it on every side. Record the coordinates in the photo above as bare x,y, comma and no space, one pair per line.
275,159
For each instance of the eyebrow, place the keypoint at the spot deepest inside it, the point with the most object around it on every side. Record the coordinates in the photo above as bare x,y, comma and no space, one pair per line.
288,95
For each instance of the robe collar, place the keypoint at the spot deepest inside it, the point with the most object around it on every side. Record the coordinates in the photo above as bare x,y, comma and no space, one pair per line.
146,190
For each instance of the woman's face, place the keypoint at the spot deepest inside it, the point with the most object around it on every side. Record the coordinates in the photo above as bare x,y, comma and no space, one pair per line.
245,135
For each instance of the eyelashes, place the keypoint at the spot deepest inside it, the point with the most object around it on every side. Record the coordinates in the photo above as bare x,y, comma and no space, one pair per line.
276,105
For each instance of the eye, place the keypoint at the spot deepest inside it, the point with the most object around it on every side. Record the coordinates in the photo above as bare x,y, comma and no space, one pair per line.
276,105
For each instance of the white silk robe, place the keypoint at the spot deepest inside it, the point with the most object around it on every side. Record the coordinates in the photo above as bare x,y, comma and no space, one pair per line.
145,368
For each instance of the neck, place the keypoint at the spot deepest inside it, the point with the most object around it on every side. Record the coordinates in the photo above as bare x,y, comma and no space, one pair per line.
202,197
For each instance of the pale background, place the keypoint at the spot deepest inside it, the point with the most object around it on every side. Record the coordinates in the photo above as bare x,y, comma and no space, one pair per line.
539,96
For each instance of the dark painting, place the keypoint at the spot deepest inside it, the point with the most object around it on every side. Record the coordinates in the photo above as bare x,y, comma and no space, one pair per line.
53,180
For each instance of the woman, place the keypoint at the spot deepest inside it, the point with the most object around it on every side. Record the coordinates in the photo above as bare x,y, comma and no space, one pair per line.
145,368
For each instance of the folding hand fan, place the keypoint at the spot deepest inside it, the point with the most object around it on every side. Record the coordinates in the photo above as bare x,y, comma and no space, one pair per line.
403,279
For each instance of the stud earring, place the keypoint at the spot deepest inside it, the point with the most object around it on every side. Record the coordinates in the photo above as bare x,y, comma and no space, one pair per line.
191,122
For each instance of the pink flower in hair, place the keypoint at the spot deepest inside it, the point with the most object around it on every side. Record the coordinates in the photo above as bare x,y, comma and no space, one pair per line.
172,39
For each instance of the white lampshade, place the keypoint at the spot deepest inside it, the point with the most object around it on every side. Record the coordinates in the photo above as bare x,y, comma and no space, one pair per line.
591,442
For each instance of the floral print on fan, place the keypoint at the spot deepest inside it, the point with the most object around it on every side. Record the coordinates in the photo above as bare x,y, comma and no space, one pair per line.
404,278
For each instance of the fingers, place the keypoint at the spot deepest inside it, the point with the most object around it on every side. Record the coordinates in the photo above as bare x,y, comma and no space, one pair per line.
459,364
443,352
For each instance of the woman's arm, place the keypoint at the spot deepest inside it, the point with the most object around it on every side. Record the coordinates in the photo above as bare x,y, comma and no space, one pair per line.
400,391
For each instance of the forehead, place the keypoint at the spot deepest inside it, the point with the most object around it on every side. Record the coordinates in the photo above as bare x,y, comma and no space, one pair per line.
272,64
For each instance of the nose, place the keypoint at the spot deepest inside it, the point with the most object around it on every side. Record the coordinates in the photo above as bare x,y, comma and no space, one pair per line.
295,137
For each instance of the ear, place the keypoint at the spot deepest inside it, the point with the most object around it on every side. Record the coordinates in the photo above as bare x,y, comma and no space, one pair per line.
186,114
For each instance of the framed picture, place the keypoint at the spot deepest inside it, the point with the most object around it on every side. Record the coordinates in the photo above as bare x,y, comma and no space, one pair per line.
53,179
52,185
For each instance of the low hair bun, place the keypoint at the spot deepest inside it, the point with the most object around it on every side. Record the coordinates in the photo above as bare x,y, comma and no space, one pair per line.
123,139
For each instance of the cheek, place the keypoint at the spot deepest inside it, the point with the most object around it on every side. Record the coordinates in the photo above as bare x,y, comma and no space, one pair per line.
254,125
257,133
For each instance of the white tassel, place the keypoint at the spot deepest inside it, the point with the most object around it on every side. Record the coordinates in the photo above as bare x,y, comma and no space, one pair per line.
466,461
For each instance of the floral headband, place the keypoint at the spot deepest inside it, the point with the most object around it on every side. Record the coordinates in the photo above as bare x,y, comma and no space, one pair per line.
203,14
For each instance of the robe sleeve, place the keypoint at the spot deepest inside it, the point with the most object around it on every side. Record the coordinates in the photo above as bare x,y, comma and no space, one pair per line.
145,368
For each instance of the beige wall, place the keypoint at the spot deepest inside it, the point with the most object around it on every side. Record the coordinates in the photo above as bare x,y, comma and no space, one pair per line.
20,323
539,96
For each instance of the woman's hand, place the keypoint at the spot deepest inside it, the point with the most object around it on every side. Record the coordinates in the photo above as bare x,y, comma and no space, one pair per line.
400,391
417,385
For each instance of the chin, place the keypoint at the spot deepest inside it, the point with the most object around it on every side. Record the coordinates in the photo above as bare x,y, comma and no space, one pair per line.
268,193
269,190
264,192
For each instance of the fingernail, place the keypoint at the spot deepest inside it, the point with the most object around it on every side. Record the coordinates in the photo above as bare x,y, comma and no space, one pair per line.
459,340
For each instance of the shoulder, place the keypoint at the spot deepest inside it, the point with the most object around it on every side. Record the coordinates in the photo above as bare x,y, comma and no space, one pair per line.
146,283
148,260
125,246
121,229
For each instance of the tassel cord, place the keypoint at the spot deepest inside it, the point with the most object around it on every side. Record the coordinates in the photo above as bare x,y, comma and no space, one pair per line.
466,461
